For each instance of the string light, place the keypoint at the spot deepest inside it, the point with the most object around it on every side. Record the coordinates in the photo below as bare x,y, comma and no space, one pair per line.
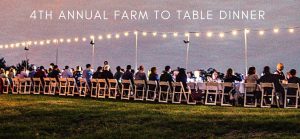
261,32
48,41
175,34
276,30
1,46
197,34
68,40
61,40
221,35
54,41
291,30
144,33
6,46
135,32
247,31
100,37
17,44
234,32
23,44
29,43
108,36
12,45
209,34
41,42
154,34
117,36
92,37
35,42
164,35
83,39
186,34
76,39
126,34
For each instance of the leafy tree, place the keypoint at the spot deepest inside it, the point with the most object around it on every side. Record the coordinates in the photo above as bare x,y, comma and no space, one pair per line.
2,63
24,63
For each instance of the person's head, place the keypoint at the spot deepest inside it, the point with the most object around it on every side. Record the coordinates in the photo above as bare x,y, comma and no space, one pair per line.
280,67
2,71
106,67
34,68
132,71
118,68
128,67
167,68
293,72
105,62
251,71
66,67
229,72
141,68
266,70
78,68
99,69
55,67
88,66
153,70
181,71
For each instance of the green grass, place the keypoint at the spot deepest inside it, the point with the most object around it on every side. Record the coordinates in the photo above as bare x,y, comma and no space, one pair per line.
38,116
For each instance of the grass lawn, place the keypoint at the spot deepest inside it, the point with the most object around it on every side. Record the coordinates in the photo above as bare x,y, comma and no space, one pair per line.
38,116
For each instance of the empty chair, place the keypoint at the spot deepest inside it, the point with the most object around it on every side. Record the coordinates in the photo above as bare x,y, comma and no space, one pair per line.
250,92
112,88
164,90
15,87
177,92
47,86
102,88
151,90
83,87
5,85
212,91
94,88
139,89
63,86
71,86
227,89
126,89
267,96
291,95
36,84
53,86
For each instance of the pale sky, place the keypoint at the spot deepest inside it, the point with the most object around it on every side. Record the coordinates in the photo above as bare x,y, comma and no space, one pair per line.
221,54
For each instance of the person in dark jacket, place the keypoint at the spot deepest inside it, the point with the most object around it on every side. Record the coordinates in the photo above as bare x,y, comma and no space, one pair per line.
97,74
293,79
128,75
182,77
230,77
106,74
153,76
166,76
268,77
55,73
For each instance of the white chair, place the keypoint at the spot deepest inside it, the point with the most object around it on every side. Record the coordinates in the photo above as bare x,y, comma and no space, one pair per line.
250,90
63,86
126,89
151,91
47,86
226,94
71,86
164,90
139,90
37,83
53,86
94,88
267,93
112,88
83,87
291,91
177,92
188,94
102,88
5,85
25,85
212,91
15,87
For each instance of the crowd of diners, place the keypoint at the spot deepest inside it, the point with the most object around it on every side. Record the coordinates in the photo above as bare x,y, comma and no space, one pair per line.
168,75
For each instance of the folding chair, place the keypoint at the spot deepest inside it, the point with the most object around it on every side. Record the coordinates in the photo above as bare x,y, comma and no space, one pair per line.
164,90
126,89
212,91
15,87
250,90
71,86
25,86
83,87
267,89
177,92
102,88
5,85
291,91
37,83
47,86
226,94
94,88
53,86
151,91
63,86
112,88
139,89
